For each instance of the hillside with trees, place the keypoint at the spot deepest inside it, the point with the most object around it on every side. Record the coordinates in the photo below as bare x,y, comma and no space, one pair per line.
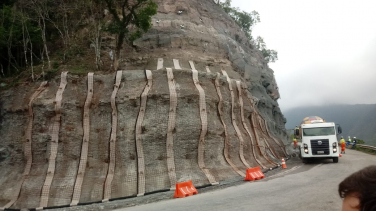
42,36
193,99
39,38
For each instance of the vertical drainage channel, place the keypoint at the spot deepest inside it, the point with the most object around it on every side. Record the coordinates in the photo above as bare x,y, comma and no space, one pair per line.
54,142
265,139
85,144
275,140
204,126
234,121
238,84
258,139
273,155
176,64
263,129
170,129
160,64
252,124
28,154
220,111
111,166
140,119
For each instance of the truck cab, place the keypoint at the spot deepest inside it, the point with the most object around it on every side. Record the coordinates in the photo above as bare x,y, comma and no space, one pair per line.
319,140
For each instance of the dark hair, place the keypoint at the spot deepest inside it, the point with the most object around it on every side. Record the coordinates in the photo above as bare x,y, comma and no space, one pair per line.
361,184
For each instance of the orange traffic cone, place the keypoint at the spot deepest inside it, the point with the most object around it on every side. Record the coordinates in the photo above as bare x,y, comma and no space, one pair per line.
284,164
340,155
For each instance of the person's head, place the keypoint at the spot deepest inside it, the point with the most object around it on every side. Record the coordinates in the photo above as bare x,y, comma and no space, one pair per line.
354,137
341,136
359,190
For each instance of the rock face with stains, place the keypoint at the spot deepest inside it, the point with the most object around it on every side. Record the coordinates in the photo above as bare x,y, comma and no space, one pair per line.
201,31
204,110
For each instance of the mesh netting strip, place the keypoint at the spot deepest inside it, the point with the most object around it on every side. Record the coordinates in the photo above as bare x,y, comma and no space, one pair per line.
258,138
111,166
27,146
204,125
233,118
238,84
85,144
176,64
266,136
253,126
263,140
170,129
272,153
160,64
220,111
275,140
54,142
140,119
263,126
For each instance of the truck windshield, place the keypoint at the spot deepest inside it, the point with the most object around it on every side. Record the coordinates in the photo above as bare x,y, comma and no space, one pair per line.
319,131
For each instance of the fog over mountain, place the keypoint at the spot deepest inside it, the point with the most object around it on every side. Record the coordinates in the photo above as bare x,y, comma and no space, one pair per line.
326,49
356,120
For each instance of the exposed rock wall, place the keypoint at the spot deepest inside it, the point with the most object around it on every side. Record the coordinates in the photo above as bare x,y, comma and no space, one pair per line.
204,33
153,136
210,39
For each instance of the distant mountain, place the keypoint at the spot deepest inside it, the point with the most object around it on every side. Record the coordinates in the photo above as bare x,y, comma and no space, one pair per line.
356,120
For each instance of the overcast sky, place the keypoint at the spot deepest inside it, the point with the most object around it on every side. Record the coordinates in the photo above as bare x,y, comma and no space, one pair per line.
326,49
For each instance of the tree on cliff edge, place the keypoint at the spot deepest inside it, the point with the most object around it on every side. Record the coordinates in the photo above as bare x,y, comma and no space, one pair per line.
246,21
268,54
134,20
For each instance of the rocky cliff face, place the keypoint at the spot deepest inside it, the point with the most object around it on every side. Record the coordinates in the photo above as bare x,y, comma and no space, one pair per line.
205,111
204,33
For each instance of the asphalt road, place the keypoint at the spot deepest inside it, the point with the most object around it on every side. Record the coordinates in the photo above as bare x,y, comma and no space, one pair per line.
303,187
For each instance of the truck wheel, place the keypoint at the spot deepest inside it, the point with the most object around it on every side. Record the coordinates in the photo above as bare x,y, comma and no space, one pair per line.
335,160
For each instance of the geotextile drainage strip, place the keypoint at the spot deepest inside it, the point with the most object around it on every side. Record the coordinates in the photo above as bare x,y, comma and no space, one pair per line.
239,134
85,144
171,127
258,132
54,142
227,143
238,84
111,166
27,152
259,139
204,126
140,151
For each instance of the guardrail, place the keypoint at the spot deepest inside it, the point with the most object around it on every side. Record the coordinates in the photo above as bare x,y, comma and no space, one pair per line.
366,146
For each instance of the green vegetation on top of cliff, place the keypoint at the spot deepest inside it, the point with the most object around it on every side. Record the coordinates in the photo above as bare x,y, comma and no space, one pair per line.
135,19
44,36
246,21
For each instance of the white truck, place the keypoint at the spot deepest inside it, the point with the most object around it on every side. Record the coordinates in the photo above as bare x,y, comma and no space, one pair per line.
318,139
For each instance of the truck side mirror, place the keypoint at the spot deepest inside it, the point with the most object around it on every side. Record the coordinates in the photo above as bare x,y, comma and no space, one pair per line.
297,132
339,130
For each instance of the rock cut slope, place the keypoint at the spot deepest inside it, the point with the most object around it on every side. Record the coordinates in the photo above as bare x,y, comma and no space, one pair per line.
199,104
